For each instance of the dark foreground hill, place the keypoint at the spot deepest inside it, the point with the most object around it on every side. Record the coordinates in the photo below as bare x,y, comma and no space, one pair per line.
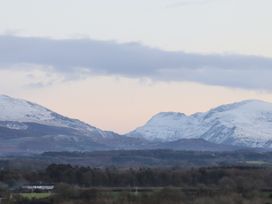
141,158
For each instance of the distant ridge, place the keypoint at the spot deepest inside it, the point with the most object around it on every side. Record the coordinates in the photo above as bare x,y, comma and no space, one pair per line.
26,127
29,127
247,123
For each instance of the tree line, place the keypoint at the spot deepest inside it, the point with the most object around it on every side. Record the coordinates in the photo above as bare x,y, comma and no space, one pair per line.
219,177
77,184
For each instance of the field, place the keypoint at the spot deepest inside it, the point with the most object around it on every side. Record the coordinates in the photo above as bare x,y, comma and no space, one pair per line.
37,196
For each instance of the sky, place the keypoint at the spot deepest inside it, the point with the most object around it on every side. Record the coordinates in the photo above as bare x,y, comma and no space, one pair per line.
114,64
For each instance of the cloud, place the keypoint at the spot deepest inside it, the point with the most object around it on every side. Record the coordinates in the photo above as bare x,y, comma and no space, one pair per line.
73,58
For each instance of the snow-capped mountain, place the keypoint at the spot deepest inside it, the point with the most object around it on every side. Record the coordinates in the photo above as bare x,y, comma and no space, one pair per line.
16,113
29,127
247,123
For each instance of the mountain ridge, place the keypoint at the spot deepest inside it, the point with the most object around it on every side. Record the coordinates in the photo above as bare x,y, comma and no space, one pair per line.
246,123
29,127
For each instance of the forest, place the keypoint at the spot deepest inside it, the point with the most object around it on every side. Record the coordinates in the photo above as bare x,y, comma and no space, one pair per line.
79,184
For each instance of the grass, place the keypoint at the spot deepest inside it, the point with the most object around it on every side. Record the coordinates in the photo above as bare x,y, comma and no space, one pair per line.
35,195
257,162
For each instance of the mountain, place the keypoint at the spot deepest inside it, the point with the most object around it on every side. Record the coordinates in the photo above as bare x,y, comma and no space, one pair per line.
246,124
26,127
194,145
29,127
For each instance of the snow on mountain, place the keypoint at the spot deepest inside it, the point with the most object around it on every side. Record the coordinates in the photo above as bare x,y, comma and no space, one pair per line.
25,126
29,127
170,126
247,123
21,112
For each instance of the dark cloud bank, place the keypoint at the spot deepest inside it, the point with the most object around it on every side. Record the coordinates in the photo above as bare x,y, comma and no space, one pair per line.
135,60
